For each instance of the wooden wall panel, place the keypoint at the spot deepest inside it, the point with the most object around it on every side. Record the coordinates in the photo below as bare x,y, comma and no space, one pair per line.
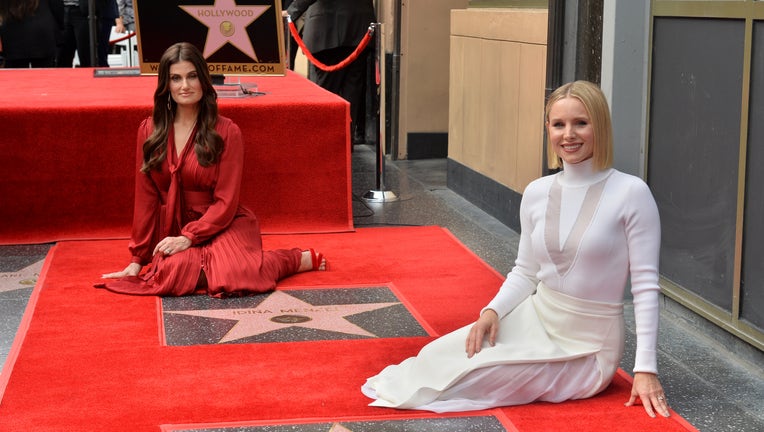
498,61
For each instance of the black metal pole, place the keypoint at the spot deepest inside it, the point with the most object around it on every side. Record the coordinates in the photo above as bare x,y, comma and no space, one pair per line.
589,41
555,47
92,25
287,43
554,57
371,99
396,80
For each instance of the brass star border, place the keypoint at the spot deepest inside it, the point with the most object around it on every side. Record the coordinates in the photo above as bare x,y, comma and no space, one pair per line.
290,315
465,423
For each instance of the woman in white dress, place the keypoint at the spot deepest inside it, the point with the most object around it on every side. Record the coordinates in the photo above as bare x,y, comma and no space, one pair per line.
555,331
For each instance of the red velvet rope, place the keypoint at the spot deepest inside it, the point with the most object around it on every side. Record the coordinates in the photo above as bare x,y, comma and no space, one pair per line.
350,59
128,36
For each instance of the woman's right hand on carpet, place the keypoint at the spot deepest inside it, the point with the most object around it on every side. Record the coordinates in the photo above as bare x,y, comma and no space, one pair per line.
486,325
132,269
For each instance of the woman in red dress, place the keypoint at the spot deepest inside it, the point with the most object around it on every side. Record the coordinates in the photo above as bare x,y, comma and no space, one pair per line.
187,221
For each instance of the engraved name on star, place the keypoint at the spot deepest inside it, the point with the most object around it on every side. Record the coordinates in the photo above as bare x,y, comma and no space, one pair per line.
281,310
226,23
24,278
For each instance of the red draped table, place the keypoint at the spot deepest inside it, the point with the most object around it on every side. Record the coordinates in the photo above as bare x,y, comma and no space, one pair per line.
68,146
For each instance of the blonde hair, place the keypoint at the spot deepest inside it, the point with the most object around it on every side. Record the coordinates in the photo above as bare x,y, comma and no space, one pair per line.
597,108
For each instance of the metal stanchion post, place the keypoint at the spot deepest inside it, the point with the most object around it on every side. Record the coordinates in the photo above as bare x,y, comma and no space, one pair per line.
130,49
380,194
287,45
93,28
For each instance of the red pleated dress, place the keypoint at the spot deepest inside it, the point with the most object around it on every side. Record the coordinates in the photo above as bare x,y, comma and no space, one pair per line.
202,203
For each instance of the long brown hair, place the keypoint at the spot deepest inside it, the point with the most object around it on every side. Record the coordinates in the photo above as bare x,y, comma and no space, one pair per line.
17,9
208,144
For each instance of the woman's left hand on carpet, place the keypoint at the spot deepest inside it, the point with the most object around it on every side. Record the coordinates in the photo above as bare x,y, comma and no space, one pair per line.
648,389
172,245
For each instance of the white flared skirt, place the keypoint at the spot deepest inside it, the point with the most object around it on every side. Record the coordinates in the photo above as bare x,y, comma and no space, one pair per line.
552,347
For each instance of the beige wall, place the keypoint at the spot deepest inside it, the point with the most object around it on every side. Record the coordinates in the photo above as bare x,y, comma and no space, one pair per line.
496,93
424,74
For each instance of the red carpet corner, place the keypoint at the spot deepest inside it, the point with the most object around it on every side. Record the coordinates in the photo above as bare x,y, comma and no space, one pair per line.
91,360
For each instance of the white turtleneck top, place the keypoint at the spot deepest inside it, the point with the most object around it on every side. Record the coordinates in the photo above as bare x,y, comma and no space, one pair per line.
585,233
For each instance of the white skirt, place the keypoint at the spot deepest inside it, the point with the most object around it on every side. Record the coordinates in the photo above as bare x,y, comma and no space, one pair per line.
552,347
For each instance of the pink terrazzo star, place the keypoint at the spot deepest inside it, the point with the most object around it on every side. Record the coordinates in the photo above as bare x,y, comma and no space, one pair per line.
226,23
281,310
24,278
336,427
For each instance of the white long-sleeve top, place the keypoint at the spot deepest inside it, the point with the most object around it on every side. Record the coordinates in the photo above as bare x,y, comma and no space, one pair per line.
585,233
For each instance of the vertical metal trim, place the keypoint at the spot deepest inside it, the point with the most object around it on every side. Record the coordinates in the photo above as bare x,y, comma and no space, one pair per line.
649,89
741,175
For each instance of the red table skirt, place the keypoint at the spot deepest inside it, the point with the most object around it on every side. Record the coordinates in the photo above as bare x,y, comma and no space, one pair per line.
68,142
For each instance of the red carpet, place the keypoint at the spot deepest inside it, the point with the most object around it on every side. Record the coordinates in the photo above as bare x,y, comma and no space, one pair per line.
90,360
69,148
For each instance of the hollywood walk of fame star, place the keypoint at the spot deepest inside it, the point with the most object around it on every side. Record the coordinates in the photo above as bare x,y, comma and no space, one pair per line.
24,278
281,310
226,23
336,427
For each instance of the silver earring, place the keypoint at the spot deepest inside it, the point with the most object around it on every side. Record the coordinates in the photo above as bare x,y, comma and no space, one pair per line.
169,102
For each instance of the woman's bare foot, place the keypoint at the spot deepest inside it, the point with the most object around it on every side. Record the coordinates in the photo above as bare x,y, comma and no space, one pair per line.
311,260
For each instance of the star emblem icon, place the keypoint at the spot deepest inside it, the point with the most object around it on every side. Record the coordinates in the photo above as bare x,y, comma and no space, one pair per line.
226,23
281,310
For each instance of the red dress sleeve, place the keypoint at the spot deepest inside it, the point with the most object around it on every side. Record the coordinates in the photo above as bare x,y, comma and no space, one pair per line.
147,205
227,187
